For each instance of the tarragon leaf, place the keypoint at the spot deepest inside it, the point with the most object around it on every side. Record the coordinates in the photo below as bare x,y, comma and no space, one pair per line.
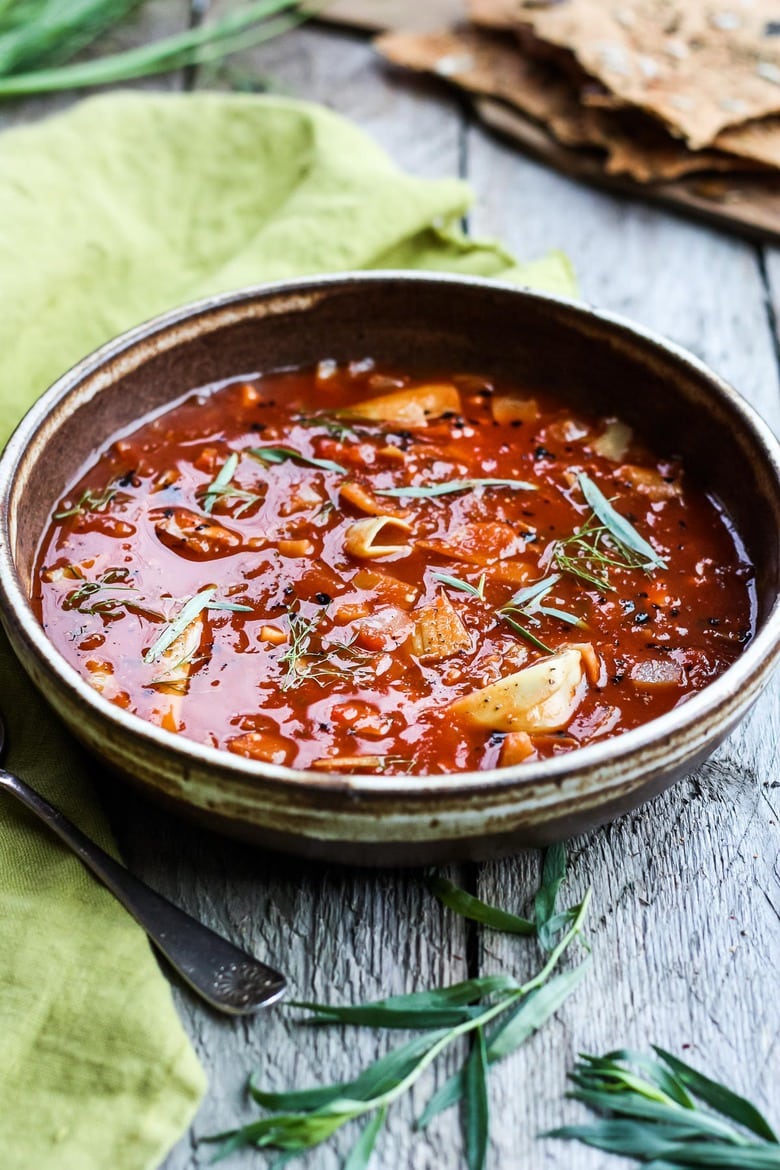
515,1028
437,1007
553,873
187,614
281,454
430,491
617,524
360,1154
476,910
477,1118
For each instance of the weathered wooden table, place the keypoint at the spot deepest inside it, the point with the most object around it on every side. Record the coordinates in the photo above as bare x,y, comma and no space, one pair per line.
686,891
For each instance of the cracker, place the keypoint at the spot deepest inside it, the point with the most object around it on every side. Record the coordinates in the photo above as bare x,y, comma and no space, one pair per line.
491,64
698,65
496,14
758,141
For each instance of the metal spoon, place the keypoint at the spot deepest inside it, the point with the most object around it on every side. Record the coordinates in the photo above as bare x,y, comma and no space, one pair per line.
229,979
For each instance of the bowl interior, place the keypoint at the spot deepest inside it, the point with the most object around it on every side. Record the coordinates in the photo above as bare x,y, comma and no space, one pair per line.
596,364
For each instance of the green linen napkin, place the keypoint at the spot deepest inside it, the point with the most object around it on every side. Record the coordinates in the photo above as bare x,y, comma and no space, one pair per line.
125,206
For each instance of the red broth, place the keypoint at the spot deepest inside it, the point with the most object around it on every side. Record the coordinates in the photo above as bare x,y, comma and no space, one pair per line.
272,566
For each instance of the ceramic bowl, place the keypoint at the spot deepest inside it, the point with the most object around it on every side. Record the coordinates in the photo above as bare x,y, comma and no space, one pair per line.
591,359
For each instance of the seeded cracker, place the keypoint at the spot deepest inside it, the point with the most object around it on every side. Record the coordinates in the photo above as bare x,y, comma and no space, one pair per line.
492,64
758,141
698,66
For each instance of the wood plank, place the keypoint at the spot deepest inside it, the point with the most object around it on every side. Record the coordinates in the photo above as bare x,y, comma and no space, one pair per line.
685,906
339,935
771,262
342,71
383,14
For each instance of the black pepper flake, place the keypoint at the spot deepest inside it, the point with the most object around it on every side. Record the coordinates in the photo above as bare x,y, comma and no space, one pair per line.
288,589
674,611
256,426
713,621
323,726
516,422
627,606
543,453
168,513
452,414
496,737
127,479
323,598
641,619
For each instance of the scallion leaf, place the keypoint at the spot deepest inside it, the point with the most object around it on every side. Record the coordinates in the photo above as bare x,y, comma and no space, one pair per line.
212,40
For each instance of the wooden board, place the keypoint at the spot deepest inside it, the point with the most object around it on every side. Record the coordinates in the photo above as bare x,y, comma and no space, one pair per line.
686,891
378,15
746,205
749,206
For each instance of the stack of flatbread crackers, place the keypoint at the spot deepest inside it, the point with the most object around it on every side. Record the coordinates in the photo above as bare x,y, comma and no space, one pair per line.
678,97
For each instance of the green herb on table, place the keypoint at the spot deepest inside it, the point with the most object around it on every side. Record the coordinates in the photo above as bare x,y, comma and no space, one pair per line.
495,1012
37,36
526,604
186,615
222,487
90,502
651,1112
430,491
282,454
606,540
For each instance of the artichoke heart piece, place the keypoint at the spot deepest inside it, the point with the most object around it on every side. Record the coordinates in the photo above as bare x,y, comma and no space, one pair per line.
438,632
615,441
363,538
413,407
175,665
542,697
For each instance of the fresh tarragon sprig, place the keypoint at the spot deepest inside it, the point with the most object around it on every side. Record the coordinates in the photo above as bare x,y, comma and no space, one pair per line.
651,1112
606,540
496,1012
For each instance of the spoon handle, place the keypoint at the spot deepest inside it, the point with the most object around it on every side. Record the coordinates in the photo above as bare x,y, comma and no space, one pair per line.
228,978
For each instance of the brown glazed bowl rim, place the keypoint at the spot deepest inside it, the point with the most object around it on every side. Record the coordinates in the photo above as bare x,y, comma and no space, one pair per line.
652,740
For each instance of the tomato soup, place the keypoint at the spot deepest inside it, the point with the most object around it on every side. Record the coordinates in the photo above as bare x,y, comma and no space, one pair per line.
356,569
